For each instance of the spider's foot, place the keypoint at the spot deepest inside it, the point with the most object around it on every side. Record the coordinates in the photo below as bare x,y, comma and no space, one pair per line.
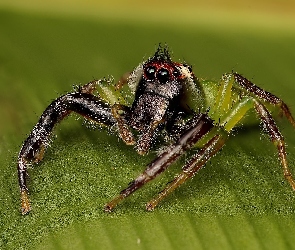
112,204
25,203
150,206
290,179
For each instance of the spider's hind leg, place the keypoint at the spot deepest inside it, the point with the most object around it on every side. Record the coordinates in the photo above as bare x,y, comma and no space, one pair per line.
276,137
264,95
267,120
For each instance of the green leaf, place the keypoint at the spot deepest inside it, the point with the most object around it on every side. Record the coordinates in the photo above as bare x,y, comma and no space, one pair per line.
240,200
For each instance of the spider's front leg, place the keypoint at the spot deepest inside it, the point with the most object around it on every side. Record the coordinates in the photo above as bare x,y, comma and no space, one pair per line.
200,125
82,102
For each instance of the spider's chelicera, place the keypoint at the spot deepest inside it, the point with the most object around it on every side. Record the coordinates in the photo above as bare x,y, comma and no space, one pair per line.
161,98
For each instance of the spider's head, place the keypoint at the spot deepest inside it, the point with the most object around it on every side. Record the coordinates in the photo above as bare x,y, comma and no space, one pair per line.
161,76
160,87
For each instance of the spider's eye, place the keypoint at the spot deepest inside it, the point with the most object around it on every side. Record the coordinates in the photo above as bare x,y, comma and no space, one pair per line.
150,72
163,75
176,73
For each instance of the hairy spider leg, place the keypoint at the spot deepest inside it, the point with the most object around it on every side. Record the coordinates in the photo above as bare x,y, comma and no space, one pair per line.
265,116
201,124
277,139
81,102
191,167
268,122
264,95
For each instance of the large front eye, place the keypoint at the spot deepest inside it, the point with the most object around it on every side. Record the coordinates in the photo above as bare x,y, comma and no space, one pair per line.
150,72
163,75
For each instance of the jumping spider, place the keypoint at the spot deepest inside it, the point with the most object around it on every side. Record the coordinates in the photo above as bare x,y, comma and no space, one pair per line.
161,98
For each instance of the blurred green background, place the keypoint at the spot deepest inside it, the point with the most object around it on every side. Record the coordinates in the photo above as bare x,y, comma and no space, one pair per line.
239,201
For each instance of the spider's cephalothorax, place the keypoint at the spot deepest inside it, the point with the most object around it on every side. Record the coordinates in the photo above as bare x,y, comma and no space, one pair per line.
158,98
161,96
